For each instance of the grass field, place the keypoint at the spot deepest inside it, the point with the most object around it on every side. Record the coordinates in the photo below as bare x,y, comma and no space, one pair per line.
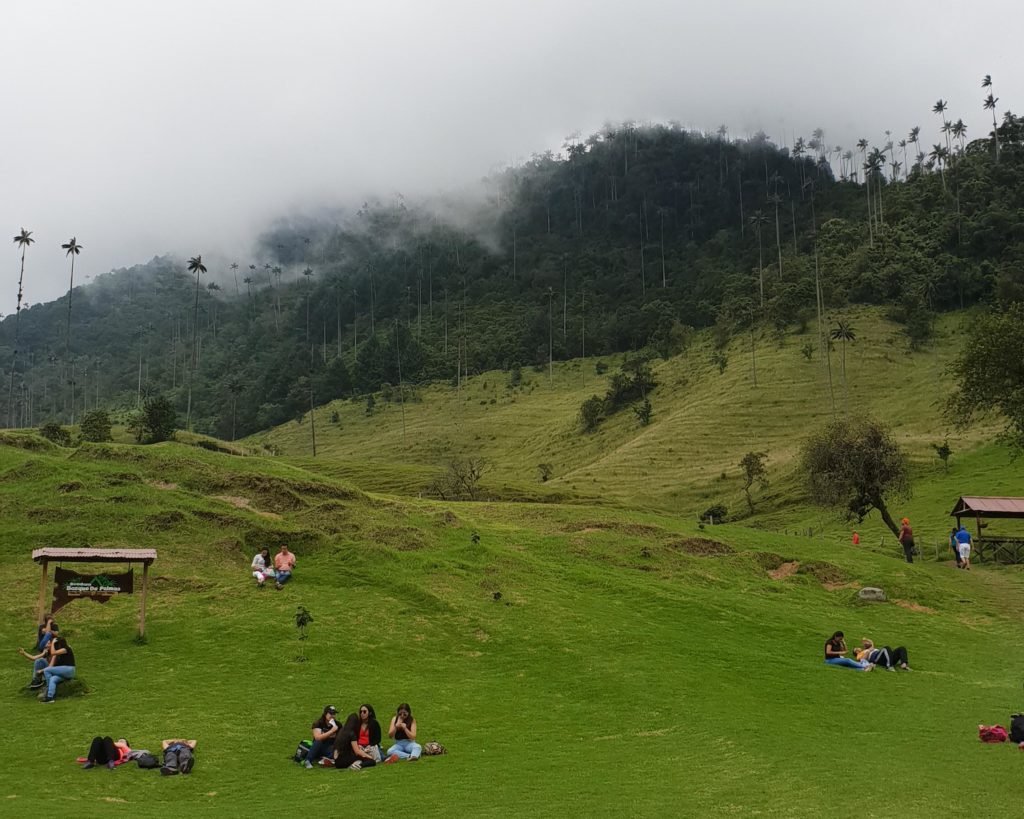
629,666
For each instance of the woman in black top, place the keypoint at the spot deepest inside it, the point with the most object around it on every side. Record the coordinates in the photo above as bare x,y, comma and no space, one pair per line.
347,753
369,732
325,730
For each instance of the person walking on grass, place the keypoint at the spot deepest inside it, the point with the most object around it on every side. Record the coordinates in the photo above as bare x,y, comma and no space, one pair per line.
263,567
284,563
835,654
906,538
888,658
325,730
963,547
403,731
52,666
953,546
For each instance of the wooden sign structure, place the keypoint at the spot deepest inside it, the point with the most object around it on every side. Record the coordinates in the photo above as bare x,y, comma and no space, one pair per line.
123,556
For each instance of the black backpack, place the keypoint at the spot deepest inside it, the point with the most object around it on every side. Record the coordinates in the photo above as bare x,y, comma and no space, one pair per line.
148,761
1017,728
302,751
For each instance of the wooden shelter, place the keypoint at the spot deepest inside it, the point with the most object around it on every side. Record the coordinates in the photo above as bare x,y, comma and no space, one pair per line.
46,556
998,548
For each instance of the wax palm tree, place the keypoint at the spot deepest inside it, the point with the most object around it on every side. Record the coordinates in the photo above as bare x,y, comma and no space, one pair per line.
990,105
247,281
844,332
22,240
212,288
960,133
938,156
195,265
73,249
235,387
914,138
758,220
308,274
234,269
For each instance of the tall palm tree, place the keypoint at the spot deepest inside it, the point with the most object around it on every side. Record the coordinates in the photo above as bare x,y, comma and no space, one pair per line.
990,105
758,220
212,288
234,268
235,387
195,265
902,144
844,332
247,281
960,134
938,156
308,273
73,249
22,240
914,138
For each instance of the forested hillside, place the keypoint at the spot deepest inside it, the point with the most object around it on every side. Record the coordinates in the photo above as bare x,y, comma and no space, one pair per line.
625,241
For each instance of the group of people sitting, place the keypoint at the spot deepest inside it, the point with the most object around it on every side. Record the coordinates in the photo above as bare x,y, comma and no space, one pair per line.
53,661
178,755
866,657
356,743
279,569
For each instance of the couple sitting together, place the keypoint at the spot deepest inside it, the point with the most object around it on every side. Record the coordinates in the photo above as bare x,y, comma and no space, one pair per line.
279,569
356,743
866,657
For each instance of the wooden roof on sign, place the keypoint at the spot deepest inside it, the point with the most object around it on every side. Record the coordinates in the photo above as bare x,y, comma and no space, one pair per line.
146,556
989,507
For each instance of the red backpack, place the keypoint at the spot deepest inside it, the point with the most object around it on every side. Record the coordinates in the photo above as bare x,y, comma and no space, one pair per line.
992,733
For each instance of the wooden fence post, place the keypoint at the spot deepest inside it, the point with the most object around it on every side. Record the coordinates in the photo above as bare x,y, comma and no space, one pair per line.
142,603
41,607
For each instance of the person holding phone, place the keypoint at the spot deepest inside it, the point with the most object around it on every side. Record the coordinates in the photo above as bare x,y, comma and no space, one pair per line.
835,653
347,752
403,731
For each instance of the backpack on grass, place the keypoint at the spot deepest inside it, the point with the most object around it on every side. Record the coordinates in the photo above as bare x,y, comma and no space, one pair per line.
147,761
1017,728
302,751
992,733
434,748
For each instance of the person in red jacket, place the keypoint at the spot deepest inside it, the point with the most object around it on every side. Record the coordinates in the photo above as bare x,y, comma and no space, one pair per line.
906,538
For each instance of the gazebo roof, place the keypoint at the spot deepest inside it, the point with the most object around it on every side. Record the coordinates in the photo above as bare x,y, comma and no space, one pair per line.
146,556
989,507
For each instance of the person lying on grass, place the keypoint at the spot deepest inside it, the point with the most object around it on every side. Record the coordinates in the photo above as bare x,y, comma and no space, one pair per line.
347,753
107,751
403,731
888,658
835,653
178,756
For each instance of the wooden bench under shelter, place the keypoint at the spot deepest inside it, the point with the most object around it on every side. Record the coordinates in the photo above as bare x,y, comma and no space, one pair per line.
995,548
49,555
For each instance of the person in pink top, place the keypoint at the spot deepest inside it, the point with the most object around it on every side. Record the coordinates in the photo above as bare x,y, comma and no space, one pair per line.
284,562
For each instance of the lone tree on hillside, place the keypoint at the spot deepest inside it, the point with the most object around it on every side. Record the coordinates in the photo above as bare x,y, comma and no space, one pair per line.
195,265
22,240
856,464
991,374
156,422
754,471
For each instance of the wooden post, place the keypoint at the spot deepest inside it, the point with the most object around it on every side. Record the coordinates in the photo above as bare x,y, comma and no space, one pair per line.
142,603
41,607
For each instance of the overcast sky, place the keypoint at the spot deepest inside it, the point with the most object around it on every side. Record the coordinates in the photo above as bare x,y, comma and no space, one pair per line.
144,127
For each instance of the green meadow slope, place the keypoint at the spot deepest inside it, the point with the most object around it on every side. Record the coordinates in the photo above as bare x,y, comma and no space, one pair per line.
686,459
574,658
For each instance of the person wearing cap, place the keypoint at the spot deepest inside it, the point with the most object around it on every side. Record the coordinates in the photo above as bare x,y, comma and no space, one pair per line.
906,538
324,731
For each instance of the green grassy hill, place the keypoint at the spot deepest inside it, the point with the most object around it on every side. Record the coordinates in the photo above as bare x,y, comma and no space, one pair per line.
573,657
688,457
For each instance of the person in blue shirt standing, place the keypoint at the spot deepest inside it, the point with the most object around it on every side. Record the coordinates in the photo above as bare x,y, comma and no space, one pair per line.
963,547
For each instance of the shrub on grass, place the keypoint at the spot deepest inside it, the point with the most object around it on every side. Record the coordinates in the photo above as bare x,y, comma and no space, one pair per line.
96,427
716,513
52,431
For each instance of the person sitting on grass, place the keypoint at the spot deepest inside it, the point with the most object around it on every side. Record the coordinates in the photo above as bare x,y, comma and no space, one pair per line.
178,756
347,753
369,732
886,657
835,653
107,751
263,567
963,547
403,731
325,730
52,666
284,562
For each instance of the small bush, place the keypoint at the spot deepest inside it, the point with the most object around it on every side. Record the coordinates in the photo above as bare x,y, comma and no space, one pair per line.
591,412
600,368
52,431
96,427
716,513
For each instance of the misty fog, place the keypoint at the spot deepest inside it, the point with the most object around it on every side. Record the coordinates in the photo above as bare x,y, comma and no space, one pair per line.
188,127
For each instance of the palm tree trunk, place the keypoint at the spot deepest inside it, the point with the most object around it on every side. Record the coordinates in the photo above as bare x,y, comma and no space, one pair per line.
778,238
11,417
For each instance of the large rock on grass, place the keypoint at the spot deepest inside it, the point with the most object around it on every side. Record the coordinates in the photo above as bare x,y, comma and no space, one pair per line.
871,594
